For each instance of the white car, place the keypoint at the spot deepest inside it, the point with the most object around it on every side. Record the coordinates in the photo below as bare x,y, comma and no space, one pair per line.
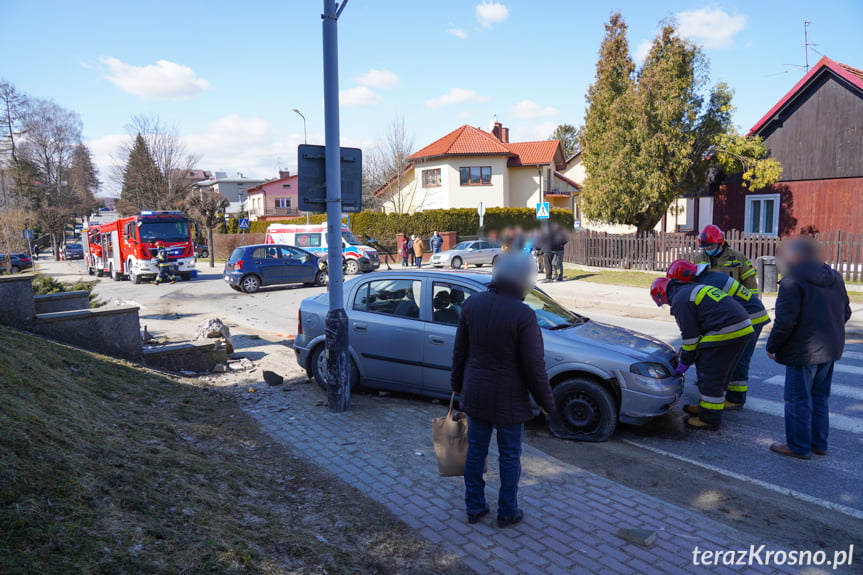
475,253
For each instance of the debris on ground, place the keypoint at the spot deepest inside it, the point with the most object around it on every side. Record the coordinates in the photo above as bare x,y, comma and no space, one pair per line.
273,378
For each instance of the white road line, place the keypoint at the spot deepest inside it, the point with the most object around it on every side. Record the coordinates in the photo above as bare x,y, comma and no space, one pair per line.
777,408
848,369
838,507
852,355
836,389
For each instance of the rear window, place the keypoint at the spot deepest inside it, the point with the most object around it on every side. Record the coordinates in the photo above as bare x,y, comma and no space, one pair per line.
308,240
236,255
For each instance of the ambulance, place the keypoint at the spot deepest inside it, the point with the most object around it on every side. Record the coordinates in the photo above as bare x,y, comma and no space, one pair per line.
313,238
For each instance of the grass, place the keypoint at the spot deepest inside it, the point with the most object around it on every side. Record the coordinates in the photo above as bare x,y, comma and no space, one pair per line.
616,277
108,468
45,284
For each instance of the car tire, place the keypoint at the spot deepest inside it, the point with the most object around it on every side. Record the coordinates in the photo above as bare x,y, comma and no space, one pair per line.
250,283
456,263
236,288
321,278
113,273
479,265
586,410
133,277
90,271
494,261
352,267
186,276
205,254
317,364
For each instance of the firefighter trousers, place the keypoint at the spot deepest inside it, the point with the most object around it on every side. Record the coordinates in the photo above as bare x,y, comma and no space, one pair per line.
714,366
739,384
165,274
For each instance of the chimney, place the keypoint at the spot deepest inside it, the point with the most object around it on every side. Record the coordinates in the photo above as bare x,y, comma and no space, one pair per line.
505,135
284,174
496,130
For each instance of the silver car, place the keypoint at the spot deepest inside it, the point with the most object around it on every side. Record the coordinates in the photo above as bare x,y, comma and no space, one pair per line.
475,253
402,327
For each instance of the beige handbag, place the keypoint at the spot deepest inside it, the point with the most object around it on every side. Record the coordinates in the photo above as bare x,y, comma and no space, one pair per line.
450,442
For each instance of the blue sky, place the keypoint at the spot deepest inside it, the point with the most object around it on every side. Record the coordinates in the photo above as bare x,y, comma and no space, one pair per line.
227,74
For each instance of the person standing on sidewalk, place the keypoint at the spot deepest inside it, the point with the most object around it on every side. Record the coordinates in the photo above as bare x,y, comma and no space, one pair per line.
419,248
498,363
403,251
808,336
559,244
716,252
435,243
411,249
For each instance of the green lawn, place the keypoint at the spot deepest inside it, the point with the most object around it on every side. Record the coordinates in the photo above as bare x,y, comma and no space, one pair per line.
617,277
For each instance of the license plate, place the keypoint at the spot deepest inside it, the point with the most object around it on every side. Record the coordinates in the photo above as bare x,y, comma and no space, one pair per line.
227,279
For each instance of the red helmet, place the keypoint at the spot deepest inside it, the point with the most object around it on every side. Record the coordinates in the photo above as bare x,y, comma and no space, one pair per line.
710,235
657,291
160,244
682,270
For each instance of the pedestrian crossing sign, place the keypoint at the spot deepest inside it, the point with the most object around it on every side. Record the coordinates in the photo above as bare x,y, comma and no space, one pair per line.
244,223
542,210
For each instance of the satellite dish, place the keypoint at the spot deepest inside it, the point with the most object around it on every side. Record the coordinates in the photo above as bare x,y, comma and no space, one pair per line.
493,122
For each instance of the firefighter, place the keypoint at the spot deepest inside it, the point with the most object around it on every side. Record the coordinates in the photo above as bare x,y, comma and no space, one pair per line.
685,271
715,331
721,257
164,265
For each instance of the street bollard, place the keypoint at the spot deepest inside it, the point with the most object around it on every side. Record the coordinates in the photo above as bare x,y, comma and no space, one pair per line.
768,274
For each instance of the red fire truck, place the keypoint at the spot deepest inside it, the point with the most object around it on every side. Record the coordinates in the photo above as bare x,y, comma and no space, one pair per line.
126,247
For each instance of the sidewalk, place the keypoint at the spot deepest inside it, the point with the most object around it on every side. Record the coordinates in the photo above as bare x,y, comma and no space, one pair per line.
383,448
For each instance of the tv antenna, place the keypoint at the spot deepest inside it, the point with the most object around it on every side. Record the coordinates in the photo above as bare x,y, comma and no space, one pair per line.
807,44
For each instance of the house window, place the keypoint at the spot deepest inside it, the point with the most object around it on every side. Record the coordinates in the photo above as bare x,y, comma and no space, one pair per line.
283,202
431,178
762,214
286,186
475,176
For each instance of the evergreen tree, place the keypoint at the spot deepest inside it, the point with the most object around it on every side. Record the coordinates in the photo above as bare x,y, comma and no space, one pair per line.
83,180
142,179
568,136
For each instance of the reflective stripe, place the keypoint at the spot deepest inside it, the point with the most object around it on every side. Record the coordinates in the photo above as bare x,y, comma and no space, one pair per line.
712,406
759,317
750,273
727,288
689,346
731,262
691,340
754,292
704,291
728,336
714,403
730,328
694,294
738,386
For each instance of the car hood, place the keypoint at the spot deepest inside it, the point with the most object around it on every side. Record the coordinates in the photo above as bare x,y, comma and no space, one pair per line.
616,339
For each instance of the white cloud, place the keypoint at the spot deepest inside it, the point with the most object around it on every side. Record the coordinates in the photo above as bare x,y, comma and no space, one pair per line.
457,32
712,27
535,132
643,50
162,80
530,110
490,12
456,96
358,96
383,79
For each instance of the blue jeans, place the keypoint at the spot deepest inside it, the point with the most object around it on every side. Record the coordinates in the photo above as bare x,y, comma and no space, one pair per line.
807,418
509,462
435,250
739,384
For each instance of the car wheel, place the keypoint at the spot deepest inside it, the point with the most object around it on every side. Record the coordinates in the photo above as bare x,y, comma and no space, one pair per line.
114,275
133,277
494,261
319,369
205,254
479,265
352,268
586,410
186,276
321,278
456,263
250,283
90,271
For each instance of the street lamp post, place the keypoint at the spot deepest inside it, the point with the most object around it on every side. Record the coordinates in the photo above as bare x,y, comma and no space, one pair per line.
305,137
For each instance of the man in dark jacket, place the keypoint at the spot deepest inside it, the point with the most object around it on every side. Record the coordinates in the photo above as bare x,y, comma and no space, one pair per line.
807,338
498,364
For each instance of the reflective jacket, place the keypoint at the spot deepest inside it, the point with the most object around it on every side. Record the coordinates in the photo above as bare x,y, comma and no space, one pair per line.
706,316
732,263
749,301
162,258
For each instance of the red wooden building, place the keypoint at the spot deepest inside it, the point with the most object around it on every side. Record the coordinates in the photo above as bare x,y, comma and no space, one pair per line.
816,133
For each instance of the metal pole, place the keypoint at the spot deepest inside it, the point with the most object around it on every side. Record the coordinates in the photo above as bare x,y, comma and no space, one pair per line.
305,137
338,388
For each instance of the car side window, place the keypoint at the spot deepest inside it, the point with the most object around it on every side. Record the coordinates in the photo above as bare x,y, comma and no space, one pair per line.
259,253
290,254
397,297
448,300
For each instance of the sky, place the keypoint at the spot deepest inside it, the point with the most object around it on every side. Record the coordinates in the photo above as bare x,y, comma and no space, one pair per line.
227,75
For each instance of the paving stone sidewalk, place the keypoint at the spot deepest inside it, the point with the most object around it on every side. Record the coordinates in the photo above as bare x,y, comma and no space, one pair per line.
383,447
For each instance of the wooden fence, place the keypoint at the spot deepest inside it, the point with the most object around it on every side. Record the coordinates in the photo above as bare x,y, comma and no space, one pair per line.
655,252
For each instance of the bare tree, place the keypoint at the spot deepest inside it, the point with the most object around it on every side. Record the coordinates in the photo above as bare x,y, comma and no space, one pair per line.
208,206
52,132
389,170
12,114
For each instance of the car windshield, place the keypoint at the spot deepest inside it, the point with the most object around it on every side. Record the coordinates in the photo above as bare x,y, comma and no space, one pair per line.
167,231
73,246
350,238
550,314
236,255
462,246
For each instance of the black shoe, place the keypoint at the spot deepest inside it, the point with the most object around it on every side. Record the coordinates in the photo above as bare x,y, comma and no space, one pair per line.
475,517
507,521
818,451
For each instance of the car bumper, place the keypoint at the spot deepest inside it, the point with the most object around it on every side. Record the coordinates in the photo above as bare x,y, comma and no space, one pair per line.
638,405
302,353
232,278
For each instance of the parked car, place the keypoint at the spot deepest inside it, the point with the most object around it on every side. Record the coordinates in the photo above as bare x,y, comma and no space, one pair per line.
202,251
251,267
475,253
71,252
402,326
19,261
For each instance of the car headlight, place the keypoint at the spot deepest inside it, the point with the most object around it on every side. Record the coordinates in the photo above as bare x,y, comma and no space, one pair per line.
652,370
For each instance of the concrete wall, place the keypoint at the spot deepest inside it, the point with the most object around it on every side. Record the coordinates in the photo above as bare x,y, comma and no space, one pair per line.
524,187
494,195
113,331
197,356
66,301
16,301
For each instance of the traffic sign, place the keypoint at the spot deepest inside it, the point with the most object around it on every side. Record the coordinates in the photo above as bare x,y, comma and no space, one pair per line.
481,211
542,210
28,234
312,182
243,224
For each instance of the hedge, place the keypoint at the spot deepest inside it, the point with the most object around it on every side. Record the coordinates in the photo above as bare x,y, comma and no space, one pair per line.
463,221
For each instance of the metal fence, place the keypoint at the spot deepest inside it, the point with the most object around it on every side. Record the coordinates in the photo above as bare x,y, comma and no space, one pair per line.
655,252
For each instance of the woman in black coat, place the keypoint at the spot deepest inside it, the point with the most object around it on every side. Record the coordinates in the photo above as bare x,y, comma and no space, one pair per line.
498,363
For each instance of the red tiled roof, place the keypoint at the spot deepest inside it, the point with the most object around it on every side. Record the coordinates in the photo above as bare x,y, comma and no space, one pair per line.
851,75
464,141
535,153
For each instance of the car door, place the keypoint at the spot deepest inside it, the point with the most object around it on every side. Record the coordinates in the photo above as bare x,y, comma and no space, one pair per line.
270,265
472,253
446,299
297,266
386,332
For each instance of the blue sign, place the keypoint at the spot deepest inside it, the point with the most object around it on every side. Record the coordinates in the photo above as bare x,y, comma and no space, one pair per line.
542,211
28,234
244,223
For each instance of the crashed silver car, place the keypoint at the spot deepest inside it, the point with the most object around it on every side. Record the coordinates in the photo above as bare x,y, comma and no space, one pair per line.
402,326
474,253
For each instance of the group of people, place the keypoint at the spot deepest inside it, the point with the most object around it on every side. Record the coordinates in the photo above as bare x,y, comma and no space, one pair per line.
412,248
498,356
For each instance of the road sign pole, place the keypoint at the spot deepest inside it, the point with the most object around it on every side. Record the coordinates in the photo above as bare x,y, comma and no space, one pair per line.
338,388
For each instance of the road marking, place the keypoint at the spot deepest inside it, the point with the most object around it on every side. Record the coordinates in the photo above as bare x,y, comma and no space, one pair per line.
836,389
848,369
777,408
838,507
852,355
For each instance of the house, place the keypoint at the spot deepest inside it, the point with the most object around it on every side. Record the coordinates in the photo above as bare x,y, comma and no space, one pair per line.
273,200
469,166
816,133
234,189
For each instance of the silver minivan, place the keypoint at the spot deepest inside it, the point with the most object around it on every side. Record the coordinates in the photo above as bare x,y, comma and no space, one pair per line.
402,326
